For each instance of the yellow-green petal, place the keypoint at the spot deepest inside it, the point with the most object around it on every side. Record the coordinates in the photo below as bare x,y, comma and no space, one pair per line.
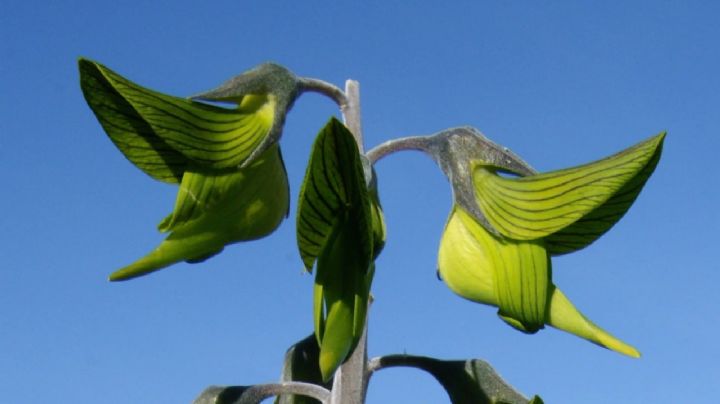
229,207
127,129
210,136
464,263
536,206
563,315
513,275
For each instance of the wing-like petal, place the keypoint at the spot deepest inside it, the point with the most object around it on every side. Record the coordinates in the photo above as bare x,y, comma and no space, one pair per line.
209,136
593,225
127,129
536,206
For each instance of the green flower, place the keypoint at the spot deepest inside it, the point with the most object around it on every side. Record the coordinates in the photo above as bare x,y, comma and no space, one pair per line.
498,240
340,232
232,181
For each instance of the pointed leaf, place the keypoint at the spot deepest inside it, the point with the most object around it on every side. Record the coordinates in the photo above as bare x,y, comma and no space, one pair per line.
302,365
221,395
536,206
466,382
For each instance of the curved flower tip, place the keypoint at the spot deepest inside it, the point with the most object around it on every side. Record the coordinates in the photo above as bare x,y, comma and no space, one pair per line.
563,315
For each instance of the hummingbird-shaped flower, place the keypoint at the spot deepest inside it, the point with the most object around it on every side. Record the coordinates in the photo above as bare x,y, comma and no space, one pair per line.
232,181
503,229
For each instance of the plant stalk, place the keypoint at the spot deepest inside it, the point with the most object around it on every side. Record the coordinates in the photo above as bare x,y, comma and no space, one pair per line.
351,379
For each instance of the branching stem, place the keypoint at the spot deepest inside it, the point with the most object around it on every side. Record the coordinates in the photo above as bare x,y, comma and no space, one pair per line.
323,87
394,145
259,392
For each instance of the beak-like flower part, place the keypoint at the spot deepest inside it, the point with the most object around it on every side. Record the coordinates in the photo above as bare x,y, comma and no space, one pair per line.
500,253
227,162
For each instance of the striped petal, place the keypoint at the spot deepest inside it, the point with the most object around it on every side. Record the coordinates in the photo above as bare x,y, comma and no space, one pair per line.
514,276
210,136
593,225
334,186
537,206
336,227
511,276
129,131
214,209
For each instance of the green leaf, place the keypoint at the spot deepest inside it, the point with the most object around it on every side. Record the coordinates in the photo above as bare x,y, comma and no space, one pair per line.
160,133
466,382
302,365
536,206
221,395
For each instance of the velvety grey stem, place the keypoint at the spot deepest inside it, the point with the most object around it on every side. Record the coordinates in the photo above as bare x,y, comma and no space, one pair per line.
351,112
392,146
351,379
259,392
323,87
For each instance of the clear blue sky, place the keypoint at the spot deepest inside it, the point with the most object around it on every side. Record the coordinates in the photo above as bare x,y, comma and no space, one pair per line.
560,83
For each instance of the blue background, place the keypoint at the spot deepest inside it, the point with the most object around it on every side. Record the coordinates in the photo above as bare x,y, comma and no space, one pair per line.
560,83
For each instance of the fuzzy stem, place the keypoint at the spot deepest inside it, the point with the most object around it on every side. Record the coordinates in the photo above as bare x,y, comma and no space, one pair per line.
351,112
394,145
259,392
323,87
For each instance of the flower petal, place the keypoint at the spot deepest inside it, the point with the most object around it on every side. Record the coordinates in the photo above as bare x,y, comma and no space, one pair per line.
515,276
128,130
536,206
564,316
210,136
217,209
